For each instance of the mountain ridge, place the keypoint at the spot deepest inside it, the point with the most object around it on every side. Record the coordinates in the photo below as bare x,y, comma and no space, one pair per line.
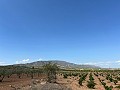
60,63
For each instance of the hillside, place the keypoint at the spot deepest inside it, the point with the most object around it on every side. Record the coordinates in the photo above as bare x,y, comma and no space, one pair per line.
61,64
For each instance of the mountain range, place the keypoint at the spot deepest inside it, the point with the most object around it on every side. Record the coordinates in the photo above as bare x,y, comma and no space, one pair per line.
61,64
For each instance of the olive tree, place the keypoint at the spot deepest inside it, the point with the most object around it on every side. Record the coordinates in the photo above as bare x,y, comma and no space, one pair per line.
51,71
2,74
5,72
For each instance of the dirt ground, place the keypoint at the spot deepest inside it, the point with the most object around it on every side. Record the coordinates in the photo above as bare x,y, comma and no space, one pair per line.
15,82
73,83
24,83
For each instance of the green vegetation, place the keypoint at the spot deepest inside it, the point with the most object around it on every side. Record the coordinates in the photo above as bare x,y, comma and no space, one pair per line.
108,88
115,81
8,71
82,78
118,87
91,83
65,75
51,71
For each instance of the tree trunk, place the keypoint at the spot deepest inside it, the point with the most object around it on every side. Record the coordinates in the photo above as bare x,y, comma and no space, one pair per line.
2,79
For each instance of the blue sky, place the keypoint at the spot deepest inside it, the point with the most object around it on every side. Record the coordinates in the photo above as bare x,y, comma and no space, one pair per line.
78,31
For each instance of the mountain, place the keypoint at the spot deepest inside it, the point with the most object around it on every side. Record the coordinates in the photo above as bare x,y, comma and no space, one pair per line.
61,64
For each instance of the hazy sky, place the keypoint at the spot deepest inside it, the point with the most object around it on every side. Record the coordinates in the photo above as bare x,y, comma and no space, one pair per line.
78,31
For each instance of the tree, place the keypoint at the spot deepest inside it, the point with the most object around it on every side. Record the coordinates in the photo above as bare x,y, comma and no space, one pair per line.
51,71
19,71
2,74
5,71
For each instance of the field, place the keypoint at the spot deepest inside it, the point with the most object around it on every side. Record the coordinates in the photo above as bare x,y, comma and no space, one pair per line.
88,80
15,83
24,78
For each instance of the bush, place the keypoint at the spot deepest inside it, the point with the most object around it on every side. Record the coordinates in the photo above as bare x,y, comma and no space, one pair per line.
103,83
118,78
75,74
108,88
65,75
91,77
110,79
117,87
80,81
82,78
80,75
115,81
91,84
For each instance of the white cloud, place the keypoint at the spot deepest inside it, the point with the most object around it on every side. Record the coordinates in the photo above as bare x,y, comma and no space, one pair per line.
105,63
25,60
3,63
40,59
22,61
91,63
118,61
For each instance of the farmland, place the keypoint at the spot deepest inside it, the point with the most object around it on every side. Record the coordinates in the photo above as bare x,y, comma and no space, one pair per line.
24,78
96,80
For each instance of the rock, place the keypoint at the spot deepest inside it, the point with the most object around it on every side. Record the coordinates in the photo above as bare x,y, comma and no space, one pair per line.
42,83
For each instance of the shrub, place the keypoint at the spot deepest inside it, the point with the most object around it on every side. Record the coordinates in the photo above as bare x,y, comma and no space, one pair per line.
82,78
69,74
80,81
107,77
65,75
118,87
91,84
118,78
75,74
108,88
115,81
110,79
103,83
80,75
91,77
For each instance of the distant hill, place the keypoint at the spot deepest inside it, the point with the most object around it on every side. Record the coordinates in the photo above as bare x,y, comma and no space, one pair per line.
61,64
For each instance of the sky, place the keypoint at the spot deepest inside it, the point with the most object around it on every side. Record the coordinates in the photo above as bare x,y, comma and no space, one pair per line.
77,31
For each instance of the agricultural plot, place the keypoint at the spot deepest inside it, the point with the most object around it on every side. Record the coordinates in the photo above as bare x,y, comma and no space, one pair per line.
22,78
92,80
